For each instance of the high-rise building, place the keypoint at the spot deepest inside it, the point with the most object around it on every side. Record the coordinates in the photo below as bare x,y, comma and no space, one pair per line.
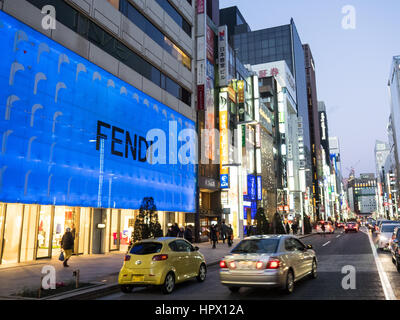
315,136
269,45
83,95
382,151
272,45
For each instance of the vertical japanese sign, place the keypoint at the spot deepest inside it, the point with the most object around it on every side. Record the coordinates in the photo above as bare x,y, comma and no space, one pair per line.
223,56
259,188
223,139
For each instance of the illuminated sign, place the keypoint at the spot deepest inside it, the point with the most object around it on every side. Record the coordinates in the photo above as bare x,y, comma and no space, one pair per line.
223,134
76,135
223,57
259,188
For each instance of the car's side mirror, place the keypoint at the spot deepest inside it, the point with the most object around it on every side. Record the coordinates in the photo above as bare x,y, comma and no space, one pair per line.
196,248
309,247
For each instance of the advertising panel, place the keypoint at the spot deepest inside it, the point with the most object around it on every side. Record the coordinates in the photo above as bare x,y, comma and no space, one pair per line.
76,135
210,44
259,188
223,57
223,136
200,6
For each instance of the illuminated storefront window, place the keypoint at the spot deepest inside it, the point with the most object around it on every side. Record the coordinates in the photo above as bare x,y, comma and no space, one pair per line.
12,233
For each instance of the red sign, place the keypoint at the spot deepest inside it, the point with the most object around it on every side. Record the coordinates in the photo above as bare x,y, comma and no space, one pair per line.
200,97
200,6
210,44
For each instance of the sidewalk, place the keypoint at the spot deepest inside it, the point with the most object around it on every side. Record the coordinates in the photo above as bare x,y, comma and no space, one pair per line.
102,268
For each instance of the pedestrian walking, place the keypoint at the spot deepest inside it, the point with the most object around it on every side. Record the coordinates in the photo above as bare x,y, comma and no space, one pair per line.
67,244
189,234
213,235
224,231
230,235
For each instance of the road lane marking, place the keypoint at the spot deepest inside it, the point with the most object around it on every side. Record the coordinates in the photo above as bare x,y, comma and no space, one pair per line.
387,288
338,236
326,243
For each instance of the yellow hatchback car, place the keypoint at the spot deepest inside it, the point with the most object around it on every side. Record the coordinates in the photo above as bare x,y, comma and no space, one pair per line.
161,262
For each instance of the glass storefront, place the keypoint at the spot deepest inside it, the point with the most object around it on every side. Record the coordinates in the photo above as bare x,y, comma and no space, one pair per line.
12,233
29,232
44,232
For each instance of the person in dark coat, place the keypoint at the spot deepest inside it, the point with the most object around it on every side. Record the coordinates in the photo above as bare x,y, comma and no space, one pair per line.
67,244
188,234
295,227
181,233
213,235
224,231
170,232
287,228
175,230
230,235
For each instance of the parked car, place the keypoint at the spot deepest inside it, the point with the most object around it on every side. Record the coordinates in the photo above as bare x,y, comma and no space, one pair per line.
385,234
268,261
162,262
329,228
351,226
394,245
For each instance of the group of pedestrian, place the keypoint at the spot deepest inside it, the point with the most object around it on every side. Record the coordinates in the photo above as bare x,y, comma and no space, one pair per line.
223,232
176,232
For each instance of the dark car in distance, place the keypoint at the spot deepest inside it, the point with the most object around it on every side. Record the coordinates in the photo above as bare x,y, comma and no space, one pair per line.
351,226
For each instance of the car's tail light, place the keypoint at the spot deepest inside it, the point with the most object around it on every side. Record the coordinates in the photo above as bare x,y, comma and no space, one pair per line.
273,263
160,257
127,258
223,264
259,265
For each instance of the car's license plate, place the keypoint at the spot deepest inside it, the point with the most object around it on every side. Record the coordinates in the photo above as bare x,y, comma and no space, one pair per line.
137,278
246,265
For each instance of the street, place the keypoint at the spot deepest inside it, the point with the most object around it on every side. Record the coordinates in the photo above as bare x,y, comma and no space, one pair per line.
333,251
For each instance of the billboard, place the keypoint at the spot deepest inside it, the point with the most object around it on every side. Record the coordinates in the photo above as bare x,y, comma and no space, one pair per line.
73,134
223,136
223,56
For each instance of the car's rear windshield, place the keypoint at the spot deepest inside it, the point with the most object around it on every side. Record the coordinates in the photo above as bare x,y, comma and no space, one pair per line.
146,248
257,246
389,227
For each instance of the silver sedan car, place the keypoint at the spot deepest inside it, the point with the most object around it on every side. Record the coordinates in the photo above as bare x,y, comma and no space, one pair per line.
268,261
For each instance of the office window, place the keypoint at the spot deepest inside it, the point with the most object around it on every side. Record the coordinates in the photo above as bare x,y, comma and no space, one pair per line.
105,41
176,16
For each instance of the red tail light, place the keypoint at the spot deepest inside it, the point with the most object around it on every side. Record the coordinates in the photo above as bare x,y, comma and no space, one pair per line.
127,258
223,264
160,257
273,263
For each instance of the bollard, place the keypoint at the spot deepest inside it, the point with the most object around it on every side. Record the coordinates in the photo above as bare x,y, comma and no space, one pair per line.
40,287
76,275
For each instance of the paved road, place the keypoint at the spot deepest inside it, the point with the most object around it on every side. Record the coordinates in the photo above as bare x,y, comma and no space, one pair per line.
333,251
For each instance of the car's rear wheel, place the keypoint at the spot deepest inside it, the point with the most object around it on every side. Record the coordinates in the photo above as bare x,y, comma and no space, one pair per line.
313,273
125,288
289,285
202,273
234,289
169,283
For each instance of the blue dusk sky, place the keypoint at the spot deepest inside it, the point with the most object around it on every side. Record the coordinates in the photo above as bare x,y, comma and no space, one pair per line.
352,65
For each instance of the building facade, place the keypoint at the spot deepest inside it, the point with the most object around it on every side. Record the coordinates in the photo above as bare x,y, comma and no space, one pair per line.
89,104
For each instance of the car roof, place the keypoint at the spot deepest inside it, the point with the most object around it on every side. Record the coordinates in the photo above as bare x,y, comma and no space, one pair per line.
269,236
161,239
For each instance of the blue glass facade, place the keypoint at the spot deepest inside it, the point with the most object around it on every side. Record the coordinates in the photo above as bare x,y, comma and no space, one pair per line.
73,134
